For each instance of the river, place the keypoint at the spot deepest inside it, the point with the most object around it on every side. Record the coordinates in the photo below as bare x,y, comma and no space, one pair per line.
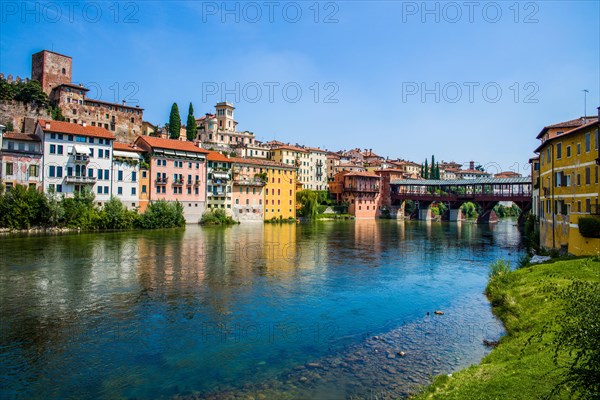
325,310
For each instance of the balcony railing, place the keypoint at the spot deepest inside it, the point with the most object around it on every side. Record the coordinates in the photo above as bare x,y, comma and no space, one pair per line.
178,182
361,188
249,182
81,158
161,181
80,179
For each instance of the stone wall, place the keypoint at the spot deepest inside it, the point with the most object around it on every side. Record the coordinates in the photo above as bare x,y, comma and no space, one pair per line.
16,112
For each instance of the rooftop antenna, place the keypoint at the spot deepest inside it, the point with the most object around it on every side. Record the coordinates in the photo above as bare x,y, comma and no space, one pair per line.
585,92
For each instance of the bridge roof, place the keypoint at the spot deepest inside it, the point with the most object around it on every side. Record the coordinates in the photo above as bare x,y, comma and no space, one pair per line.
462,182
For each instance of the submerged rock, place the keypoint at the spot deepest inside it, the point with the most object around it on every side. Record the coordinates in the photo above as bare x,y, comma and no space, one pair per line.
438,312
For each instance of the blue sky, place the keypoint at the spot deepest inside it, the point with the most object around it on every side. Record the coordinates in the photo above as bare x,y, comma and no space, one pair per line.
461,83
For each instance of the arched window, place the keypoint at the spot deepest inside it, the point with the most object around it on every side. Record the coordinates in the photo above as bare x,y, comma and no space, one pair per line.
64,71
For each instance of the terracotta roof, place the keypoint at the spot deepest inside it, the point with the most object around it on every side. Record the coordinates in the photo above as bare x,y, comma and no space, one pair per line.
255,161
366,174
171,144
573,123
75,129
216,156
507,174
21,136
127,147
578,129
74,85
316,149
471,171
288,147
114,104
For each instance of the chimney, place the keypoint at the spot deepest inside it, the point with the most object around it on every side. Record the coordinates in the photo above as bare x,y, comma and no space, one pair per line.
28,125
472,165
123,101
47,125
83,124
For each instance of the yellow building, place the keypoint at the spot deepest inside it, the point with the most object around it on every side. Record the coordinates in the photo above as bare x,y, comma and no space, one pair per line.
277,193
568,184
280,190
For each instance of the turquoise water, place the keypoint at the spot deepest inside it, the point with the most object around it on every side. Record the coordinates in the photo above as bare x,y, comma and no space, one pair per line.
222,312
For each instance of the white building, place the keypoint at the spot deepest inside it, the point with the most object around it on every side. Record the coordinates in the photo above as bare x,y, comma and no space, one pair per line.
126,174
76,157
317,169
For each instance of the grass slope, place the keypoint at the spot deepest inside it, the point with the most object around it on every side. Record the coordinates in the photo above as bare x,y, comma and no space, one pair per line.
514,369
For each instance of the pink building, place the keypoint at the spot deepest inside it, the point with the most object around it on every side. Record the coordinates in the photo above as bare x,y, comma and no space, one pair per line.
21,160
249,176
177,173
359,190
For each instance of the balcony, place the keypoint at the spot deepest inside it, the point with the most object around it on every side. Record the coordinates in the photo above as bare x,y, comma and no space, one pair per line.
87,180
249,182
81,158
319,163
178,182
162,181
362,188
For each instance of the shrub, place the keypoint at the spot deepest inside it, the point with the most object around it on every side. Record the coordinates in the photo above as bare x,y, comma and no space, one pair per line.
499,269
216,216
115,216
162,214
589,227
22,208
575,339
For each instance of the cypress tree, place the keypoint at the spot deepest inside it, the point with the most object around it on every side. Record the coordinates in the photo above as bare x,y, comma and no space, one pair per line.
426,170
191,128
432,174
174,122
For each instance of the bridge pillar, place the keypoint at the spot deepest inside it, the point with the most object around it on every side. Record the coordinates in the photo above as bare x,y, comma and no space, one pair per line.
425,213
455,215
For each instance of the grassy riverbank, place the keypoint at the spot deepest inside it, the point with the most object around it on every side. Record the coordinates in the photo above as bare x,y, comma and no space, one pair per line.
527,301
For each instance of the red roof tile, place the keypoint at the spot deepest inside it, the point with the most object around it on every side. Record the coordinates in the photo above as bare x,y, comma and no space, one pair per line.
216,156
127,147
257,161
75,129
21,136
171,144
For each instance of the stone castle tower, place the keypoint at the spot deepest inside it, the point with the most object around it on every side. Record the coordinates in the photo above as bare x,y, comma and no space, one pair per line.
51,69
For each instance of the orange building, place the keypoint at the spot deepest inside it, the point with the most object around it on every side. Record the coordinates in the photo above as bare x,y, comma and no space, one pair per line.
359,190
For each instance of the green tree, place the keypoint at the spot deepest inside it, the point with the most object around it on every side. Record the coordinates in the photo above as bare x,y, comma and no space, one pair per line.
31,92
426,170
191,127
432,172
174,122
56,113
309,200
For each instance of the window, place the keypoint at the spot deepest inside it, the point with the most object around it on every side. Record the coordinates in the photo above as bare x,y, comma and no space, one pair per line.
133,176
105,189
80,139
144,174
106,174
9,168
70,137
587,142
587,176
143,188
52,149
568,151
60,149
59,172
59,188
91,172
120,175
34,171
578,148
52,171
588,206
119,190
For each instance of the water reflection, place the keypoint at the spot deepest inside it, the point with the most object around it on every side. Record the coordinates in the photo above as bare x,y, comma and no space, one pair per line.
153,314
